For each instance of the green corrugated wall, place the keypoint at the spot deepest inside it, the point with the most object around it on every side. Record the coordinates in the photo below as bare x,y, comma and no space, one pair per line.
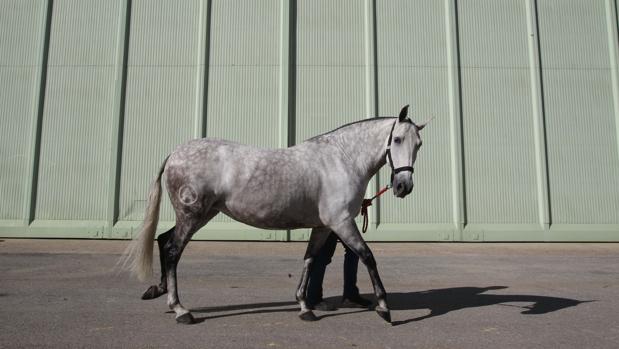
94,94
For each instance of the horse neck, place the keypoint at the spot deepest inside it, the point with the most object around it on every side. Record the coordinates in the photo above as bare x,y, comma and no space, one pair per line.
364,143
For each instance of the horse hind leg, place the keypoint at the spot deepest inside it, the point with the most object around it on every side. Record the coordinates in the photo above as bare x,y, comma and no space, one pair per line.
172,251
156,291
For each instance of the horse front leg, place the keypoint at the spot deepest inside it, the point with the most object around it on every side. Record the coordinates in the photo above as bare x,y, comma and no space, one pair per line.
317,240
349,234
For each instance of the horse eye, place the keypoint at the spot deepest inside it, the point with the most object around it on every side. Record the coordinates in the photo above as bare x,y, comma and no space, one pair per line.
397,140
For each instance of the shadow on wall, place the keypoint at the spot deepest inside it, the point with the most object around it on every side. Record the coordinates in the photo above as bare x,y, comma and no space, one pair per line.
439,302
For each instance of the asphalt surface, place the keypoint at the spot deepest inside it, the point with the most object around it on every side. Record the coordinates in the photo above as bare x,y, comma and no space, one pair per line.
64,294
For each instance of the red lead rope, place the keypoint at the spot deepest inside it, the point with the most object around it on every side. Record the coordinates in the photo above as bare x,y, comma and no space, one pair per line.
367,203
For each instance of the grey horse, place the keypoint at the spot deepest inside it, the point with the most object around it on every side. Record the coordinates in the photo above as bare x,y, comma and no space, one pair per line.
317,184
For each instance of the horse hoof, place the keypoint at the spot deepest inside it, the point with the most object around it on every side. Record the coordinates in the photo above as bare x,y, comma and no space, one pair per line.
186,319
384,313
153,292
308,316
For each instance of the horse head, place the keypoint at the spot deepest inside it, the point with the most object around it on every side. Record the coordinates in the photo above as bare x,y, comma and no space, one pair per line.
402,146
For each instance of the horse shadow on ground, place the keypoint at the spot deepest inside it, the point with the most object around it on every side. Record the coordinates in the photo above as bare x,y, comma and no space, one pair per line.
437,301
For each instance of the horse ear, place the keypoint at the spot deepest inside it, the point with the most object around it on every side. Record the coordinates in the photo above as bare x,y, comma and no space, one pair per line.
403,113
422,125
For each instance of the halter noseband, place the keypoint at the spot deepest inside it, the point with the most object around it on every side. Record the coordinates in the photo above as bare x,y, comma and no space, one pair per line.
394,170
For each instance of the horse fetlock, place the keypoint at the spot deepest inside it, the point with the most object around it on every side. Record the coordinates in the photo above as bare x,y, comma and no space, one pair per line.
382,310
384,313
153,292
185,319
382,303
307,315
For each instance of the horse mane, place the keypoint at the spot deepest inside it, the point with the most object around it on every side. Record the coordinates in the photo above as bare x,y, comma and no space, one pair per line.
376,118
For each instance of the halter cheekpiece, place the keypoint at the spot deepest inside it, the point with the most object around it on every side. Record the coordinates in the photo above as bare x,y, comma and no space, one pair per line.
394,170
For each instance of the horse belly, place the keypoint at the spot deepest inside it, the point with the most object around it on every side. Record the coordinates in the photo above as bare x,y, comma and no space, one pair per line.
273,214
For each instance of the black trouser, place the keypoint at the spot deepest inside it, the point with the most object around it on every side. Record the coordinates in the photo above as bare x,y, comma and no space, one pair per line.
317,274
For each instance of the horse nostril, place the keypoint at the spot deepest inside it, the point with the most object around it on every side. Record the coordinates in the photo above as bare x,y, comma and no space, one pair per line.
399,187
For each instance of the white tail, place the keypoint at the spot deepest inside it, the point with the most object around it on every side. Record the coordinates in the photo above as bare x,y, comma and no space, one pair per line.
138,257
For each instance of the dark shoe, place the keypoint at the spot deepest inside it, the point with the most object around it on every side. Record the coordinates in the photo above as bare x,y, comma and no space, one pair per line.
355,302
322,305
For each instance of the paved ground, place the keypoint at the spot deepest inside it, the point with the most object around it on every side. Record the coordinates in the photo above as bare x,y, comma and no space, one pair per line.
61,293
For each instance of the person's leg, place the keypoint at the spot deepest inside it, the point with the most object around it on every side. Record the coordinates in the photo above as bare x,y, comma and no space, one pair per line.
351,297
317,272
351,263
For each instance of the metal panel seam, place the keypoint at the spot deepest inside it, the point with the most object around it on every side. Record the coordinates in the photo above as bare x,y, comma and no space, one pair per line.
202,63
117,124
37,117
284,79
284,71
371,91
539,116
292,73
455,117
613,42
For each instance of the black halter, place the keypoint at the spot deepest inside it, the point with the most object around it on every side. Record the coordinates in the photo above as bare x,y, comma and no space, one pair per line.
394,170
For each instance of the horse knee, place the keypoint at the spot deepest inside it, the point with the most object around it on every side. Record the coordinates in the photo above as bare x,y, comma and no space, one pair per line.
369,261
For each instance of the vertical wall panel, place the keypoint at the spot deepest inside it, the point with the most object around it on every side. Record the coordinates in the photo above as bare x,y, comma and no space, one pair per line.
412,69
161,95
499,147
19,39
243,74
78,109
582,139
330,67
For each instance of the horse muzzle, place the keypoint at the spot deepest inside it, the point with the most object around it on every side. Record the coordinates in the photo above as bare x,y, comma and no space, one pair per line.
402,187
